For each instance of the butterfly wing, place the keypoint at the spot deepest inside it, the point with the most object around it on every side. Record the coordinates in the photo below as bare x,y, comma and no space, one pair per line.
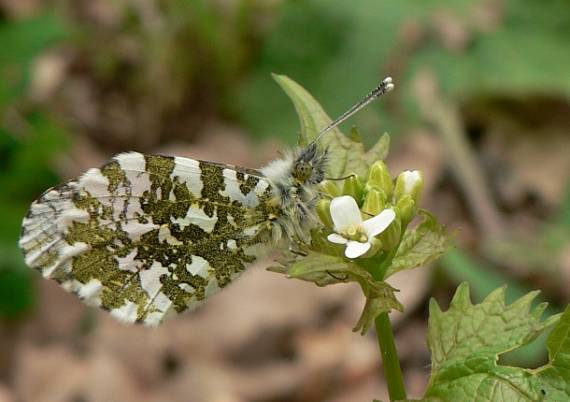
145,235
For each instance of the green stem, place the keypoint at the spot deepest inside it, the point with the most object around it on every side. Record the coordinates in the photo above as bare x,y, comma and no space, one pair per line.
390,360
380,273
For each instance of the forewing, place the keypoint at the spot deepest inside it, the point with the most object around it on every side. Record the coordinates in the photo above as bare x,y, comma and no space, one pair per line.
144,235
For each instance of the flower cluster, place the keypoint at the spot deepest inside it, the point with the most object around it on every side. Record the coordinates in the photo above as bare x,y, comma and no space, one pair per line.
369,216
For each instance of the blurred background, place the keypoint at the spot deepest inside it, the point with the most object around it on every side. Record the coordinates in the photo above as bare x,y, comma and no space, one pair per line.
482,106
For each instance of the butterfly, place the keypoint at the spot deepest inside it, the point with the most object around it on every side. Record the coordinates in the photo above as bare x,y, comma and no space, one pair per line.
149,236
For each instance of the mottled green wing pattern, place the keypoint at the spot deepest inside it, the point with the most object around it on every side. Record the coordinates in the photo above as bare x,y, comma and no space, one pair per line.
145,236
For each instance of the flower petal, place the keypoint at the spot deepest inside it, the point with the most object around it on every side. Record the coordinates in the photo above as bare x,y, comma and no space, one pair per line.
376,225
355,249
336,238
344,212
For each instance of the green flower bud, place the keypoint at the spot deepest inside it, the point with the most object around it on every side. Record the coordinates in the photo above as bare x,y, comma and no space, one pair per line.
391,236
409,182
353,187
324,212
330,188
374,202
379,178
407,208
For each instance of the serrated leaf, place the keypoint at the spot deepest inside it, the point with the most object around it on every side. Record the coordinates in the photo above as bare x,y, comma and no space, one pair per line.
420,245
467,339
348,155
475,326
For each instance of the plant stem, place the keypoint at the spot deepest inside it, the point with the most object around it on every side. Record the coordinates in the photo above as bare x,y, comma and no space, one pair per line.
385,335
390,360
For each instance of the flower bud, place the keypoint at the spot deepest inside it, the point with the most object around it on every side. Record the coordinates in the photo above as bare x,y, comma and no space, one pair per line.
391,236
324,212
330,188
379,178
353,187
409,182
407,208
374,202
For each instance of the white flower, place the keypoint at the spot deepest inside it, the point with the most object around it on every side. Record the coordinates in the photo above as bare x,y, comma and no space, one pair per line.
351,230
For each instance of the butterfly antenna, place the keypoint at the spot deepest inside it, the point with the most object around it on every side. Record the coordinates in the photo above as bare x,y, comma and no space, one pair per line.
385,86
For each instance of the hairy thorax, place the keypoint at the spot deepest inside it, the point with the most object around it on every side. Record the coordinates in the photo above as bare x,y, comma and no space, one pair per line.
296,178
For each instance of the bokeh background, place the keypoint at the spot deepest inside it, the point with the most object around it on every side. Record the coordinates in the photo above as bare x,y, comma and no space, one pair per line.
482,106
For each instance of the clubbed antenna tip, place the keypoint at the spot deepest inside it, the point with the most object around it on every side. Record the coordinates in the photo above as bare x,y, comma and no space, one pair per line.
388,84
385,86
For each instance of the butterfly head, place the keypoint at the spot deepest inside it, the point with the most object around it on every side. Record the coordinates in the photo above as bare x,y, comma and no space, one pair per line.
309,165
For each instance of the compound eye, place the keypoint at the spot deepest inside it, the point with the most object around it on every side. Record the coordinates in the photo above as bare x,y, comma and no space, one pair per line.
303,171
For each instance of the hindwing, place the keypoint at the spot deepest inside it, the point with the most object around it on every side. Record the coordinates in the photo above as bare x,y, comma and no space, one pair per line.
146,235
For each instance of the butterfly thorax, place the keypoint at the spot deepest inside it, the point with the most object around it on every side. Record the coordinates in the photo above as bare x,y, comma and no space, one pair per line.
295,179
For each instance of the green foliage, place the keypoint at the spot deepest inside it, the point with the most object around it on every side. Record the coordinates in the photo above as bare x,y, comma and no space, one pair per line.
420,245
459,266
324,263
467,339
348,155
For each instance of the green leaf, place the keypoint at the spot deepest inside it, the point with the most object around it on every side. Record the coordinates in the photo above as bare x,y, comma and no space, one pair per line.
466,340
462,267
556,374
559,342
348,155
324,270
312,116
375,306
320,269
420,245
